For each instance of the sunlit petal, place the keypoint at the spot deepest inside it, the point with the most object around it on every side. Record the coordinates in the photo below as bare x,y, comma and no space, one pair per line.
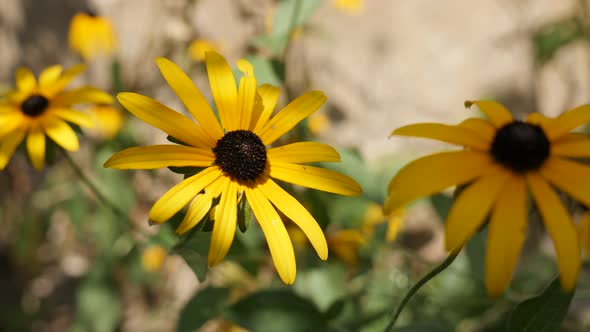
450,134
10,121
25,80
269,95
315,178
49,76
201,205
303,152
568,121
8,145
63,80
86,94
224,227
62,134
223,88
191,97
291,208
177,197
158,156
36,147
73,116
279,243
496,112
246,93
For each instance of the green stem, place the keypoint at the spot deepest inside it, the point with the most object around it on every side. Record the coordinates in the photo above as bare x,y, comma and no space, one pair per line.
99,195
430,275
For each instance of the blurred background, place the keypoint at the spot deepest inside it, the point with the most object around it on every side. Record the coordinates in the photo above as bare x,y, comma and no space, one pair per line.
69,263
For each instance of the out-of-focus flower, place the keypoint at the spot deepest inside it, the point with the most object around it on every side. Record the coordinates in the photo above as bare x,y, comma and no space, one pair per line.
152,258
374,216
238,165
92,35
318,123
199,47
354,7
345,244
503,159
108,119
40,108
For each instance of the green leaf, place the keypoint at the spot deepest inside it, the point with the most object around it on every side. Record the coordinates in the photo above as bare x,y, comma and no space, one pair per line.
543,313
422,328
194,252
205,305
277,310
99,307
245,215
324,285
550,38
442,204
265,70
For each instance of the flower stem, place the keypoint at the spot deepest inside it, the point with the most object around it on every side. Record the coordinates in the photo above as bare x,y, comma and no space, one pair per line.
430,275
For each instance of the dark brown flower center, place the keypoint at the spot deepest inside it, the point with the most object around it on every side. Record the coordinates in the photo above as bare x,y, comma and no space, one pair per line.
520,146
241,155
35,105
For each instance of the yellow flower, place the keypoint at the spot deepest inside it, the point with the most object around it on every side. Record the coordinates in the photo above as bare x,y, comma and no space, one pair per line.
503,159
238,164
345,244
153,257
374,216
199,47
42,108
108,119
92,35
350,6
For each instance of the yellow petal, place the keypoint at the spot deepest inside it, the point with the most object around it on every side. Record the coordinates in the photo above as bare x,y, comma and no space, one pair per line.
303,152
567,121
293,210
177,197
73,116
576,148
279,243
472,206
246,93
8,145
291,115
49,76
63,80
201,205
394,225
539,120
315,178
506,235
168,120
9,121
450,134
25,80
480,127
36,147
158,156
560,228
224,227
191,97
269,95
223,88
496,112
571,177
109,120
62,134
430,174
86,94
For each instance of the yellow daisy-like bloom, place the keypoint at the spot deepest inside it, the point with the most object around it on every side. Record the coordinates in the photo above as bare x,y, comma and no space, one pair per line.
350,6
92,35
503,159
238,164
152,258
42,108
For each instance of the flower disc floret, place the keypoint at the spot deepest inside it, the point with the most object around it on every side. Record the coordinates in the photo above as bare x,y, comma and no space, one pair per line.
520,146
34,105
241,155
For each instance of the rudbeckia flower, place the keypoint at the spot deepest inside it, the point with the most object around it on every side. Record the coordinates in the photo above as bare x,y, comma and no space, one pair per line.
42,108
92,35
504,159
238,162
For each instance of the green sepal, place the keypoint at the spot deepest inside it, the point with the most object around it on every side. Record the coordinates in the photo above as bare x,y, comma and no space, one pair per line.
176,140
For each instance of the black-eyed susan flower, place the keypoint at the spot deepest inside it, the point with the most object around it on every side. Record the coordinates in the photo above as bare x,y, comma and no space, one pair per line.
238,163
42,108
503,160
92,35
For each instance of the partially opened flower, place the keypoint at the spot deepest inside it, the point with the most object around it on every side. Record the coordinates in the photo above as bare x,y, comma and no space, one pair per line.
43,108
503,159
238,163
92,35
